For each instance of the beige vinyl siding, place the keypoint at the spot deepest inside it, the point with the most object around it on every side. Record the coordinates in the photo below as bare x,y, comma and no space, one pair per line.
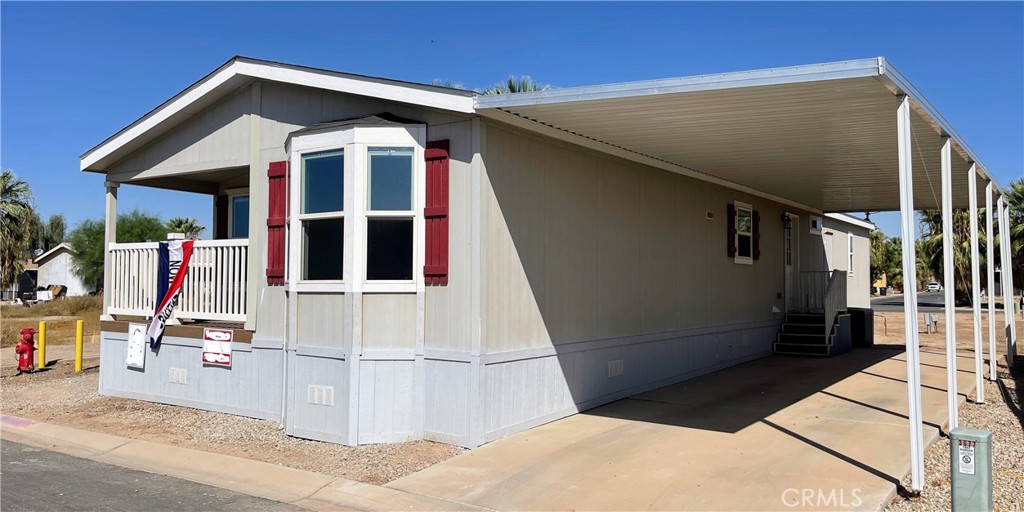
215,138
389,322
320,320
579,246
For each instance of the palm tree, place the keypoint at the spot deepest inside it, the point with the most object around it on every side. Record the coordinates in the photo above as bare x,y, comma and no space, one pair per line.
189,226
1015,199
16,214
513,85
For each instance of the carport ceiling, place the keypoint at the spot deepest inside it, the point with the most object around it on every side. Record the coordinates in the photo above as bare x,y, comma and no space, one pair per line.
822,136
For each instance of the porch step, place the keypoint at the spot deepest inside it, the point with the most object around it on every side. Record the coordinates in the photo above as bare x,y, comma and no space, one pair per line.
805,318
804,339
803,350
818,328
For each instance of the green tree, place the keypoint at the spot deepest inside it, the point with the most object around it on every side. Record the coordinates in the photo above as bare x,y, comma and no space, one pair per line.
87,241
879,255
55,232
515,84
16,214
189,226
932,247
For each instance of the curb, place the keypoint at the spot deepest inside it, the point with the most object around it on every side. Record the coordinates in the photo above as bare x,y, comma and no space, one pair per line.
306,489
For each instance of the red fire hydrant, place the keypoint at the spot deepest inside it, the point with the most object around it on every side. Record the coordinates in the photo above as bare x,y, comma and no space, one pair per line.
26,351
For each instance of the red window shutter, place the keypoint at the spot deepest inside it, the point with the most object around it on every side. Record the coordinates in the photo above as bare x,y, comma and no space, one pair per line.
220,231
757,235
731,230
277,213
435,269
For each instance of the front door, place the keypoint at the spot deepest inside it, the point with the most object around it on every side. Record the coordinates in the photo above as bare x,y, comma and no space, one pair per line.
791,261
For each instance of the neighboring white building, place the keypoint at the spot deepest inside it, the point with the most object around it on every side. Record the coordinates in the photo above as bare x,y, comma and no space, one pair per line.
56,267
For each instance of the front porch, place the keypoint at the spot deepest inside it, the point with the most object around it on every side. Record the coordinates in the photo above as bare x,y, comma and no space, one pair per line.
215,286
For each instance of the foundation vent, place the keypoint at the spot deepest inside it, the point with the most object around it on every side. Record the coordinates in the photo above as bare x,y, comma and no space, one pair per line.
615,368
177,376
320,395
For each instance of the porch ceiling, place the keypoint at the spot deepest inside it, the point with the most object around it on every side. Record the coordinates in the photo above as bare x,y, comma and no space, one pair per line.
822,136
201,182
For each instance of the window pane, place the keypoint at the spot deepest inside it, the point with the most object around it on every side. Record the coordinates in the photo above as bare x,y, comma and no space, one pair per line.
240,216
390,179
389,249
743,246
744,223
323,182
322,244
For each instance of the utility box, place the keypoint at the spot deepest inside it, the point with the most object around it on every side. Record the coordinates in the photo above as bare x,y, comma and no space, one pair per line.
970,458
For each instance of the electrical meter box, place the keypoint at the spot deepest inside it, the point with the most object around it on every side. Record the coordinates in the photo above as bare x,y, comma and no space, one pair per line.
970,457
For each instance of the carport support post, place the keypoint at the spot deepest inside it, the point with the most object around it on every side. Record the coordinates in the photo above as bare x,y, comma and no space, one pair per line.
1006,278
990,265
109,237
910,295
948,281
979,365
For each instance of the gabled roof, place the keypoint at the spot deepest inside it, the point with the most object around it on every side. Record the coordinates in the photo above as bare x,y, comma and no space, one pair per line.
44,257
239,71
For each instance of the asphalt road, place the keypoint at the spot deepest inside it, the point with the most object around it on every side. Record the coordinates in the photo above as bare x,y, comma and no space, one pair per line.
927,302
36,479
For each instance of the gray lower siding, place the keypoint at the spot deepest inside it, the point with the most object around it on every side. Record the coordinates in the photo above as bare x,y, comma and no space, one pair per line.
251,387
446,396
527,388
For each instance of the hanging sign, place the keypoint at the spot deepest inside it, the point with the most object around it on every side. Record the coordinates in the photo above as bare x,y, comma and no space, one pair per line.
217,347
136,353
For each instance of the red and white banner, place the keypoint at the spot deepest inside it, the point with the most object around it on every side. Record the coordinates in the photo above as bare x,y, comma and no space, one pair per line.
217,347
174,258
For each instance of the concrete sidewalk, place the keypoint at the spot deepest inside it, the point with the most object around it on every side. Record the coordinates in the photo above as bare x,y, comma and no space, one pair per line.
305,489
775,434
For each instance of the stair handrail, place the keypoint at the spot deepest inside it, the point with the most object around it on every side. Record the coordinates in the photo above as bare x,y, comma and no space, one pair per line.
835,299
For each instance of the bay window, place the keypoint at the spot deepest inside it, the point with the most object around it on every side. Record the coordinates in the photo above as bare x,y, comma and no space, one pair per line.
389,214
322,216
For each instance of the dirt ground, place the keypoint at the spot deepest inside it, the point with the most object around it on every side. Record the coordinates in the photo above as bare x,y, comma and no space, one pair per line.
58,395
60,315
1001,414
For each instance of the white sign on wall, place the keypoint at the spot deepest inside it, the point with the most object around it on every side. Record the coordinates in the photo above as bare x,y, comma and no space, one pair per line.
217,347
137,341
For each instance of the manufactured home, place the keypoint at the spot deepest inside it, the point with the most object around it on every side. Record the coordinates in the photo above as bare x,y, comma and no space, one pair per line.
403,261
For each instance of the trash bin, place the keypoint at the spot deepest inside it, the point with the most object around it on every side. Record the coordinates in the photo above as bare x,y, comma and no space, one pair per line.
862,326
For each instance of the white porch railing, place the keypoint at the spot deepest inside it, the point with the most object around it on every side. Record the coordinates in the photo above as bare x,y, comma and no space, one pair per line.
214,287
835,298
813,284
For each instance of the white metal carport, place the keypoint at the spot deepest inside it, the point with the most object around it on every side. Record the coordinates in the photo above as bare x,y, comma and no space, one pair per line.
838,137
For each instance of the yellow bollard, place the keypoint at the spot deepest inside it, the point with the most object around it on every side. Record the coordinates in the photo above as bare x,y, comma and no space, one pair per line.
78,345
42,345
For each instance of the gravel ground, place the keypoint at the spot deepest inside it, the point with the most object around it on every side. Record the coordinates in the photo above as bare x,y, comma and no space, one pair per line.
60,396
1001,414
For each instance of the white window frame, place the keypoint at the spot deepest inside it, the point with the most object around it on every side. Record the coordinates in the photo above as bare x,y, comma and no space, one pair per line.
356,141
231,194
743,260
849,256
367,214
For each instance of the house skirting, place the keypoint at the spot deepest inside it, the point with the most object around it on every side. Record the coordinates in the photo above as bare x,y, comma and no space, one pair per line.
447,396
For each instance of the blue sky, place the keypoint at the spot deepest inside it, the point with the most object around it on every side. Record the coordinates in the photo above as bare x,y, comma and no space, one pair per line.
75,73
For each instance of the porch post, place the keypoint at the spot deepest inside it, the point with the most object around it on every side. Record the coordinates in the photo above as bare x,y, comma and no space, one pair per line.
109,237
990,265
948,281
979,366
910,295
1006,278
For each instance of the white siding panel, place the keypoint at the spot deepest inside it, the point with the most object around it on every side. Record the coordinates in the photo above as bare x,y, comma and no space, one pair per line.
389,321
321,320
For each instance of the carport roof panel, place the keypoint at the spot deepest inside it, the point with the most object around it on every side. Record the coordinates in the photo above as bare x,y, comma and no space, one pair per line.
821,135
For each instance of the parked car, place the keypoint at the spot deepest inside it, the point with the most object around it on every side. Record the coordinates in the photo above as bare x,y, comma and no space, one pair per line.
934,287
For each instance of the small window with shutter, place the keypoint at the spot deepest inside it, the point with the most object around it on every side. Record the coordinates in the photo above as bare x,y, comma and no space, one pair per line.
744,233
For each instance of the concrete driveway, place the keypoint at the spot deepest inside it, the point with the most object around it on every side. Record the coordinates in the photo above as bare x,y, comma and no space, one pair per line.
775,434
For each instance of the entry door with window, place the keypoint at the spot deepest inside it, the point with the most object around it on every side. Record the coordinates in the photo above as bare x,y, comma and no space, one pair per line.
791,260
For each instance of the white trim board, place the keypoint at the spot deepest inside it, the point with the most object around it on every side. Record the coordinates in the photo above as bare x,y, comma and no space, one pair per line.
240,70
